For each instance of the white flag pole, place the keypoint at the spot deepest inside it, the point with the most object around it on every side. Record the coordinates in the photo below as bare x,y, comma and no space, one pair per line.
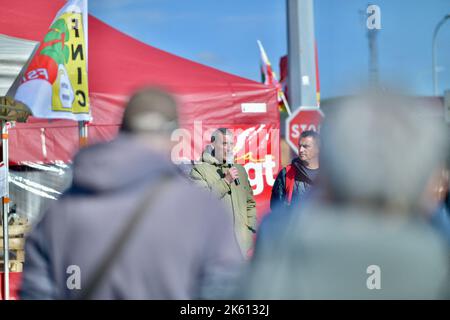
83,125
286,104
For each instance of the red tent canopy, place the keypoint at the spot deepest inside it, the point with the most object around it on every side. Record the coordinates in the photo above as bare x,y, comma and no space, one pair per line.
118,65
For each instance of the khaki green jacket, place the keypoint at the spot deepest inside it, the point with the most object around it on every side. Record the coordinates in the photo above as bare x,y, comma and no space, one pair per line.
209,175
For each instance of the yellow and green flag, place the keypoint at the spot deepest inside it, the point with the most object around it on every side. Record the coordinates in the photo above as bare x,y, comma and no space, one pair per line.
55,83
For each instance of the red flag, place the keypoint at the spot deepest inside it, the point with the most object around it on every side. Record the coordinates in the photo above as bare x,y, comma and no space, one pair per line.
270,78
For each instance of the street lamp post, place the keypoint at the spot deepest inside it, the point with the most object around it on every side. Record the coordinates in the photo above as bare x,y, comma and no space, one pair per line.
436,30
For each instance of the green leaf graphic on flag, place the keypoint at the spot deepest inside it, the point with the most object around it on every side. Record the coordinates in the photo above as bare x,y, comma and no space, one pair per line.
52,36
54,46
61,26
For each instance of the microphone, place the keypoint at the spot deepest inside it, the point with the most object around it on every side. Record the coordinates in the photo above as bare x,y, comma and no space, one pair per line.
236,181
230,161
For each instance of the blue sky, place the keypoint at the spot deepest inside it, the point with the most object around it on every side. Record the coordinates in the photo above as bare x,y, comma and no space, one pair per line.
223,34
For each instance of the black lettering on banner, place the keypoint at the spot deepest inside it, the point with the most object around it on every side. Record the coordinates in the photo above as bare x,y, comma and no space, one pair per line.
75,28
77,51
79,75
81,102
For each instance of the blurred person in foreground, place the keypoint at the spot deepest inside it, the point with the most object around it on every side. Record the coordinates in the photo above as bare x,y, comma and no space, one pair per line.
365,235
229,182
440,218
182,245
294,181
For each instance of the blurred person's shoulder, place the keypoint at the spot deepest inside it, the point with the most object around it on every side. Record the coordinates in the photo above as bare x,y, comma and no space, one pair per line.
407,251
361,222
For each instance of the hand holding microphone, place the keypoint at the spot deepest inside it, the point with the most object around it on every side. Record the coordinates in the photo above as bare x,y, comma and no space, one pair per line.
232,175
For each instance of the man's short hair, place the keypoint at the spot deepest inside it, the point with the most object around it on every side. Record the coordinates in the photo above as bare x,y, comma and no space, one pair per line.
150,110
310,133
221,131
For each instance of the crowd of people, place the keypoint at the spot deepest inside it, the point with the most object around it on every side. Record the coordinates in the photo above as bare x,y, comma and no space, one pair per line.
361,213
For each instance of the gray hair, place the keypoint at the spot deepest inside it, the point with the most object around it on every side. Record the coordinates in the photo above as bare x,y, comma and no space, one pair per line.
150,111
381,149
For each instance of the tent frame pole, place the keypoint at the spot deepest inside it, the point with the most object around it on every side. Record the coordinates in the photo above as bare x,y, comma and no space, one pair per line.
5,211
83,133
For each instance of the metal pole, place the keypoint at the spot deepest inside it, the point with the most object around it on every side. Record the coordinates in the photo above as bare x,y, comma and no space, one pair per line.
301,53
373,57
435,76
5,208
83,133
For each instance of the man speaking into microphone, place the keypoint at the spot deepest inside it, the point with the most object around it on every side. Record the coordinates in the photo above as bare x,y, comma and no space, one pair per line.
229,182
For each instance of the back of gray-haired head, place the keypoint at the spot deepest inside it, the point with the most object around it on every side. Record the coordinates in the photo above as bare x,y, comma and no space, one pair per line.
381,149
151,111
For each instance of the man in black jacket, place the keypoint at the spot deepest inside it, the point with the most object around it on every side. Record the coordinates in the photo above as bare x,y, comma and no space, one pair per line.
293,182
